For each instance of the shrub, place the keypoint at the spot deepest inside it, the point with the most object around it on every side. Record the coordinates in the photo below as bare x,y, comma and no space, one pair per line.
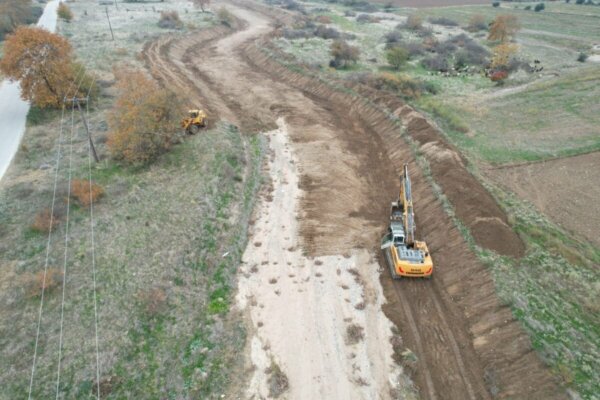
392,38
145,119
503,55
579,2
354,334
498,76
443,21
349,13
323,19
34,283
397,57
539,7
44,221
64,12
343,54
404,85
295,33
477,23
80,190
153,301
436,63
496,4
445,48
325,32
414,22
527,8
582,57
225,17
170,20
364,18
414,48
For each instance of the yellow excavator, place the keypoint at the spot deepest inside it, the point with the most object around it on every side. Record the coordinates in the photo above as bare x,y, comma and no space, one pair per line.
405,256
196,120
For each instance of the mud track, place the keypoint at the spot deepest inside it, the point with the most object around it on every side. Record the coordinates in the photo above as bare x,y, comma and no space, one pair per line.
350,152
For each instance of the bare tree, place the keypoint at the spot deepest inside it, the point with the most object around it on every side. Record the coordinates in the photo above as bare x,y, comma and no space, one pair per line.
202,4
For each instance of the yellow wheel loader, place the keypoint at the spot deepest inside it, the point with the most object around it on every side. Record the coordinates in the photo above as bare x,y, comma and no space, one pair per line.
405,256
194,122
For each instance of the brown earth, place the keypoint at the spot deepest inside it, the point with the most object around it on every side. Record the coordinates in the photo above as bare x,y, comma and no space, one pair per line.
431,3
350,153
564,189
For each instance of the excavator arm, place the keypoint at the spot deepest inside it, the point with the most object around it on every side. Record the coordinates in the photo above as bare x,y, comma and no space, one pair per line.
407,207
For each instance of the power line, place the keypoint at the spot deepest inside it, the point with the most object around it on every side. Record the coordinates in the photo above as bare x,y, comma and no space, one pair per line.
62,307
87,110
37,336
40,312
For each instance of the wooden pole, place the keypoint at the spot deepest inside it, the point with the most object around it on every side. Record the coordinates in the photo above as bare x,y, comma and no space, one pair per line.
109,25
87,129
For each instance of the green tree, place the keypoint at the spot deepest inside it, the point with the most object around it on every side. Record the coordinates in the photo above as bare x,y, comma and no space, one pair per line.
397,57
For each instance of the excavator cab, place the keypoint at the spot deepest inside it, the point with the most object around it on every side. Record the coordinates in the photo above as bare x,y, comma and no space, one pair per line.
194,122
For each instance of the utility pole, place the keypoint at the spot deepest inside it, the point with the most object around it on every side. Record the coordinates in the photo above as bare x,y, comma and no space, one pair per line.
109,25
87,129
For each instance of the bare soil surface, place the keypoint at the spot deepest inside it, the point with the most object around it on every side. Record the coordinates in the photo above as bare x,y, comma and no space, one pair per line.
302,308
349,155
564,189
431,3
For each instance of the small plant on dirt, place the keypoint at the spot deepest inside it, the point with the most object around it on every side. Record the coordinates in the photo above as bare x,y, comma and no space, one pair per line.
443,21
397,57
44,221
325,32
354,334
80,190
278,380
582,57
34,283
225,17
477,23
343,54
414,22
170,20
153,301
64,12
392,38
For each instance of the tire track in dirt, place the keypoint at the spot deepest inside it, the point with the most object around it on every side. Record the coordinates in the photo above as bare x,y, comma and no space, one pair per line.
459,322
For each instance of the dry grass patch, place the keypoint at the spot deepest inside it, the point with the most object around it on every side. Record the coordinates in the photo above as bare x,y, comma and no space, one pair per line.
354,334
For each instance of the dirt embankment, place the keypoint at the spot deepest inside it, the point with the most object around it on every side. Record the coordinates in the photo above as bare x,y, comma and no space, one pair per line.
350,153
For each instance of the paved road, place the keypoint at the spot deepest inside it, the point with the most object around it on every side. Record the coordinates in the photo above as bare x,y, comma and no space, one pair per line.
13,110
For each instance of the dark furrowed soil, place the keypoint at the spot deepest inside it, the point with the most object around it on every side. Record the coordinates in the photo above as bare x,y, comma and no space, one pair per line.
468,345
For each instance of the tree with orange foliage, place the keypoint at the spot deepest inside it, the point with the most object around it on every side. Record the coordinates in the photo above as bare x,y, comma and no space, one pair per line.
504,28
43,63
502,55
145,121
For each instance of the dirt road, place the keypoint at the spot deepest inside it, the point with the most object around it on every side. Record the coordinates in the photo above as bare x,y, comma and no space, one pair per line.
347,156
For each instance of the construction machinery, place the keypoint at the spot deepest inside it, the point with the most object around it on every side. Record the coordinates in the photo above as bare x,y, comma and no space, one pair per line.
406,256
196,120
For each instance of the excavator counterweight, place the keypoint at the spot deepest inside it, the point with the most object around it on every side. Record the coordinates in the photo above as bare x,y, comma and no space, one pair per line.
406,256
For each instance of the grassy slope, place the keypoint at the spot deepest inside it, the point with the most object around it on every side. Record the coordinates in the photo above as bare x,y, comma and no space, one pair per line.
168,241
553,291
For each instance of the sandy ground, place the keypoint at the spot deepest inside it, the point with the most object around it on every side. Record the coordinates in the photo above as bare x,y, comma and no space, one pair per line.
562,189
301,307
13,110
